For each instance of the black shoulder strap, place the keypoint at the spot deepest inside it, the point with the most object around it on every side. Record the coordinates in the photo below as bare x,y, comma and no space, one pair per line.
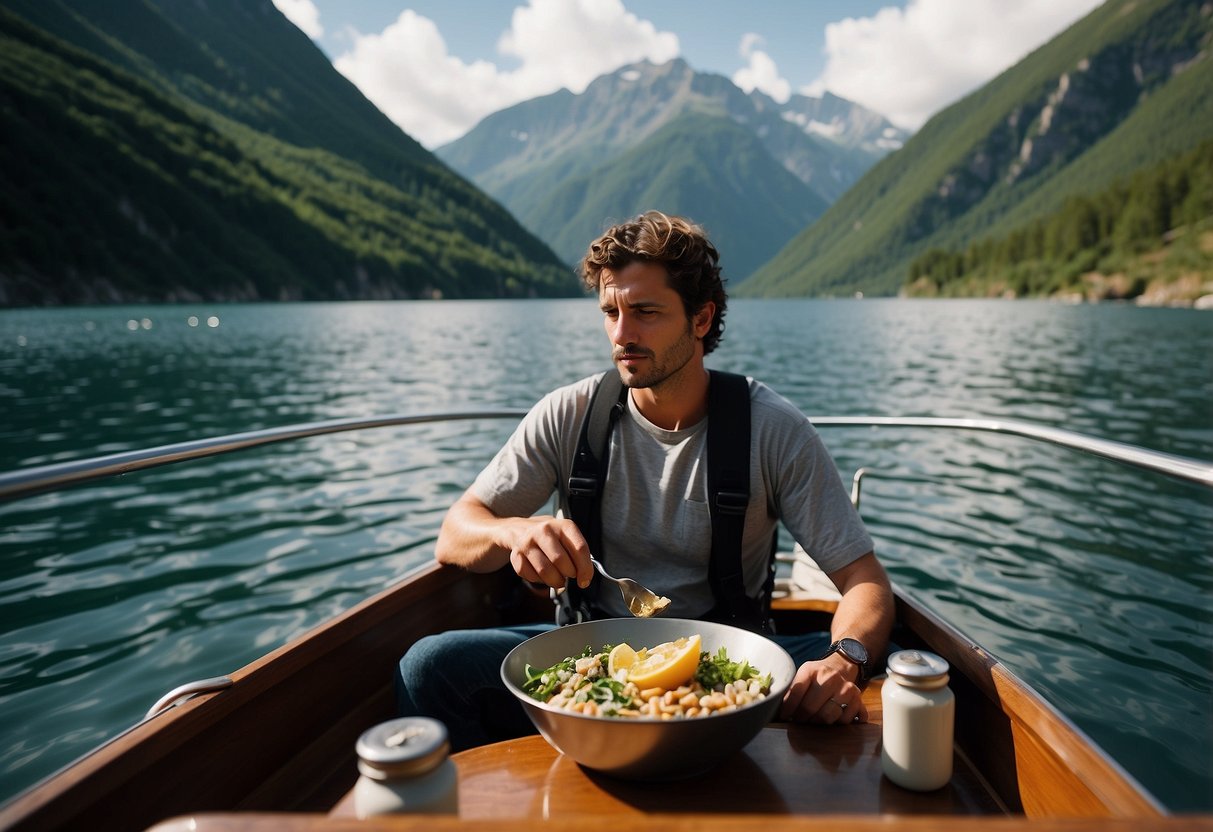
590,460
586,482
728,490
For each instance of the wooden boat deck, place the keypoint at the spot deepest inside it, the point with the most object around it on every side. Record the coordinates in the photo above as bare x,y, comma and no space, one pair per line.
275,750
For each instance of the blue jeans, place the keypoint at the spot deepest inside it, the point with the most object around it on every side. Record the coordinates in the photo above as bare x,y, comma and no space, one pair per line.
455,677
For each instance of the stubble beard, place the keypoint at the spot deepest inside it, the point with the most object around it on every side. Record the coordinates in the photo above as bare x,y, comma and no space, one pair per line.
663,367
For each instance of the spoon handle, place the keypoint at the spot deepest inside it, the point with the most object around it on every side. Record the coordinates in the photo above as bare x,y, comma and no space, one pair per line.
601,570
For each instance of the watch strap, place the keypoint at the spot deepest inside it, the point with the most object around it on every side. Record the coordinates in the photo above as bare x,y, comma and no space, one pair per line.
863,665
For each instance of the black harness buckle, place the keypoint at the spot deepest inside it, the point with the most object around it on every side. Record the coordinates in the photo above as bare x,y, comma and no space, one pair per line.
732,502
583,487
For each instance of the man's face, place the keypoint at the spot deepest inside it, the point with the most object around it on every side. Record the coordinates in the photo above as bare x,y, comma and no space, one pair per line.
651,337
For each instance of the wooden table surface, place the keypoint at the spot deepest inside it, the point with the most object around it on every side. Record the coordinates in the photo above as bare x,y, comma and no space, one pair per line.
796,778
787,769
799,770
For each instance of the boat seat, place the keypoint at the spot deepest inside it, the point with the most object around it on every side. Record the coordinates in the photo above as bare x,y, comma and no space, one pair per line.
802,586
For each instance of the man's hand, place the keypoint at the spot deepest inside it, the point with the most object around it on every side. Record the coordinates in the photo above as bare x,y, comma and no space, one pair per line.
825,692
543,550
549,550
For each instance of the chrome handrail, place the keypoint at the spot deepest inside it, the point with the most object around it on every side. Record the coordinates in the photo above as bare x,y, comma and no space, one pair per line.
174,696
1180,467
34,480
28,481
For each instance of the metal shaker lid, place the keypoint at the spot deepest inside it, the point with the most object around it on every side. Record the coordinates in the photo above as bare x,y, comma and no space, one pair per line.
403,747
917,666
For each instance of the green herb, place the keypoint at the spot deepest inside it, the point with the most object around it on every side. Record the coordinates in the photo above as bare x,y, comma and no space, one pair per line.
604,689
608,694
543,684
718,670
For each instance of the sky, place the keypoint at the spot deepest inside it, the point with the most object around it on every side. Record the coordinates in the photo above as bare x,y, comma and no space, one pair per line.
437,67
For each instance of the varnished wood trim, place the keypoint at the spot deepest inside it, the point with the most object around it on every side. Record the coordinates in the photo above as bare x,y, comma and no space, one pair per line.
803,602
1061,772
679,823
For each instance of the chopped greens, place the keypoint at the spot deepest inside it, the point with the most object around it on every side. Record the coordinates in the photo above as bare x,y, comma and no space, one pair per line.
541,684
592,686
719,670
609,695
583,684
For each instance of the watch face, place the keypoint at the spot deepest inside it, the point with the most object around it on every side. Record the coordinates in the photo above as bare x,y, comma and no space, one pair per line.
853,650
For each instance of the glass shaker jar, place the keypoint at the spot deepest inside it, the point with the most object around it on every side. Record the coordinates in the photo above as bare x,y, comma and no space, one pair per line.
405,766
919,717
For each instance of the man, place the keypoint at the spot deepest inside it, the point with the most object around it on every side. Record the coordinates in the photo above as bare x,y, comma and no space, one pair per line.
663,305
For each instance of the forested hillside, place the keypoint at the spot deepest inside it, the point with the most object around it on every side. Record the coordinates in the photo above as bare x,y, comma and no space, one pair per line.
163,166
1125,89
1102,246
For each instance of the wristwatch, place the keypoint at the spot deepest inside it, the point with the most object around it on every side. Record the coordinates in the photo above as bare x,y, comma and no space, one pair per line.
853,651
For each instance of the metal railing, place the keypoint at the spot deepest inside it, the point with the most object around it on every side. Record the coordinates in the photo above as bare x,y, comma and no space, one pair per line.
1180,467
28,481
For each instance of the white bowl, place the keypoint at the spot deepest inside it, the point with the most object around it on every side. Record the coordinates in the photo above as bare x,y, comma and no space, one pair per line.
638,748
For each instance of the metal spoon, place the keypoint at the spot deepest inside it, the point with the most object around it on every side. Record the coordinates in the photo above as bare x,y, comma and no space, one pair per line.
642,602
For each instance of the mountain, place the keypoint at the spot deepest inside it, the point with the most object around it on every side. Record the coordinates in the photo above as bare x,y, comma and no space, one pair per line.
557,161
1148,238
180,150
711,169
1123,89
845,139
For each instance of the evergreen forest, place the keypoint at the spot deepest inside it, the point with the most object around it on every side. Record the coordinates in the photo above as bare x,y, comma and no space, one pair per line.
1151,229
120,187
1122,98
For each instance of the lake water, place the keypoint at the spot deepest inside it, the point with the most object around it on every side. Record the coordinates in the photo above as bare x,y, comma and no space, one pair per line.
1090,579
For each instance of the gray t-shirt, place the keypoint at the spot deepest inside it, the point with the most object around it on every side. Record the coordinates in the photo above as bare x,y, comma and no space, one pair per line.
656,525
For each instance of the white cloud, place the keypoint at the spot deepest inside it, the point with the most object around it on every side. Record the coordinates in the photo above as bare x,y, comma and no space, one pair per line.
761,72
435,97
406,71
909,64
569,43
304,14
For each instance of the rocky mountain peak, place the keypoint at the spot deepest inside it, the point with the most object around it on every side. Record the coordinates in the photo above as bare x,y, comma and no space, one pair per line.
559,161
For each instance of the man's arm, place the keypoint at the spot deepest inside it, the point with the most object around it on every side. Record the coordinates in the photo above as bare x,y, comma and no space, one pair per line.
821,688
541,549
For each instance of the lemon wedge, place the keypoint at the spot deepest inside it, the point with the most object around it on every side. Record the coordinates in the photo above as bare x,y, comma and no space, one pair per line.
665,666
622,658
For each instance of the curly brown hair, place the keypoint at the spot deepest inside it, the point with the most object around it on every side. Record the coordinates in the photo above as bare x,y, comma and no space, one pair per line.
681,246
